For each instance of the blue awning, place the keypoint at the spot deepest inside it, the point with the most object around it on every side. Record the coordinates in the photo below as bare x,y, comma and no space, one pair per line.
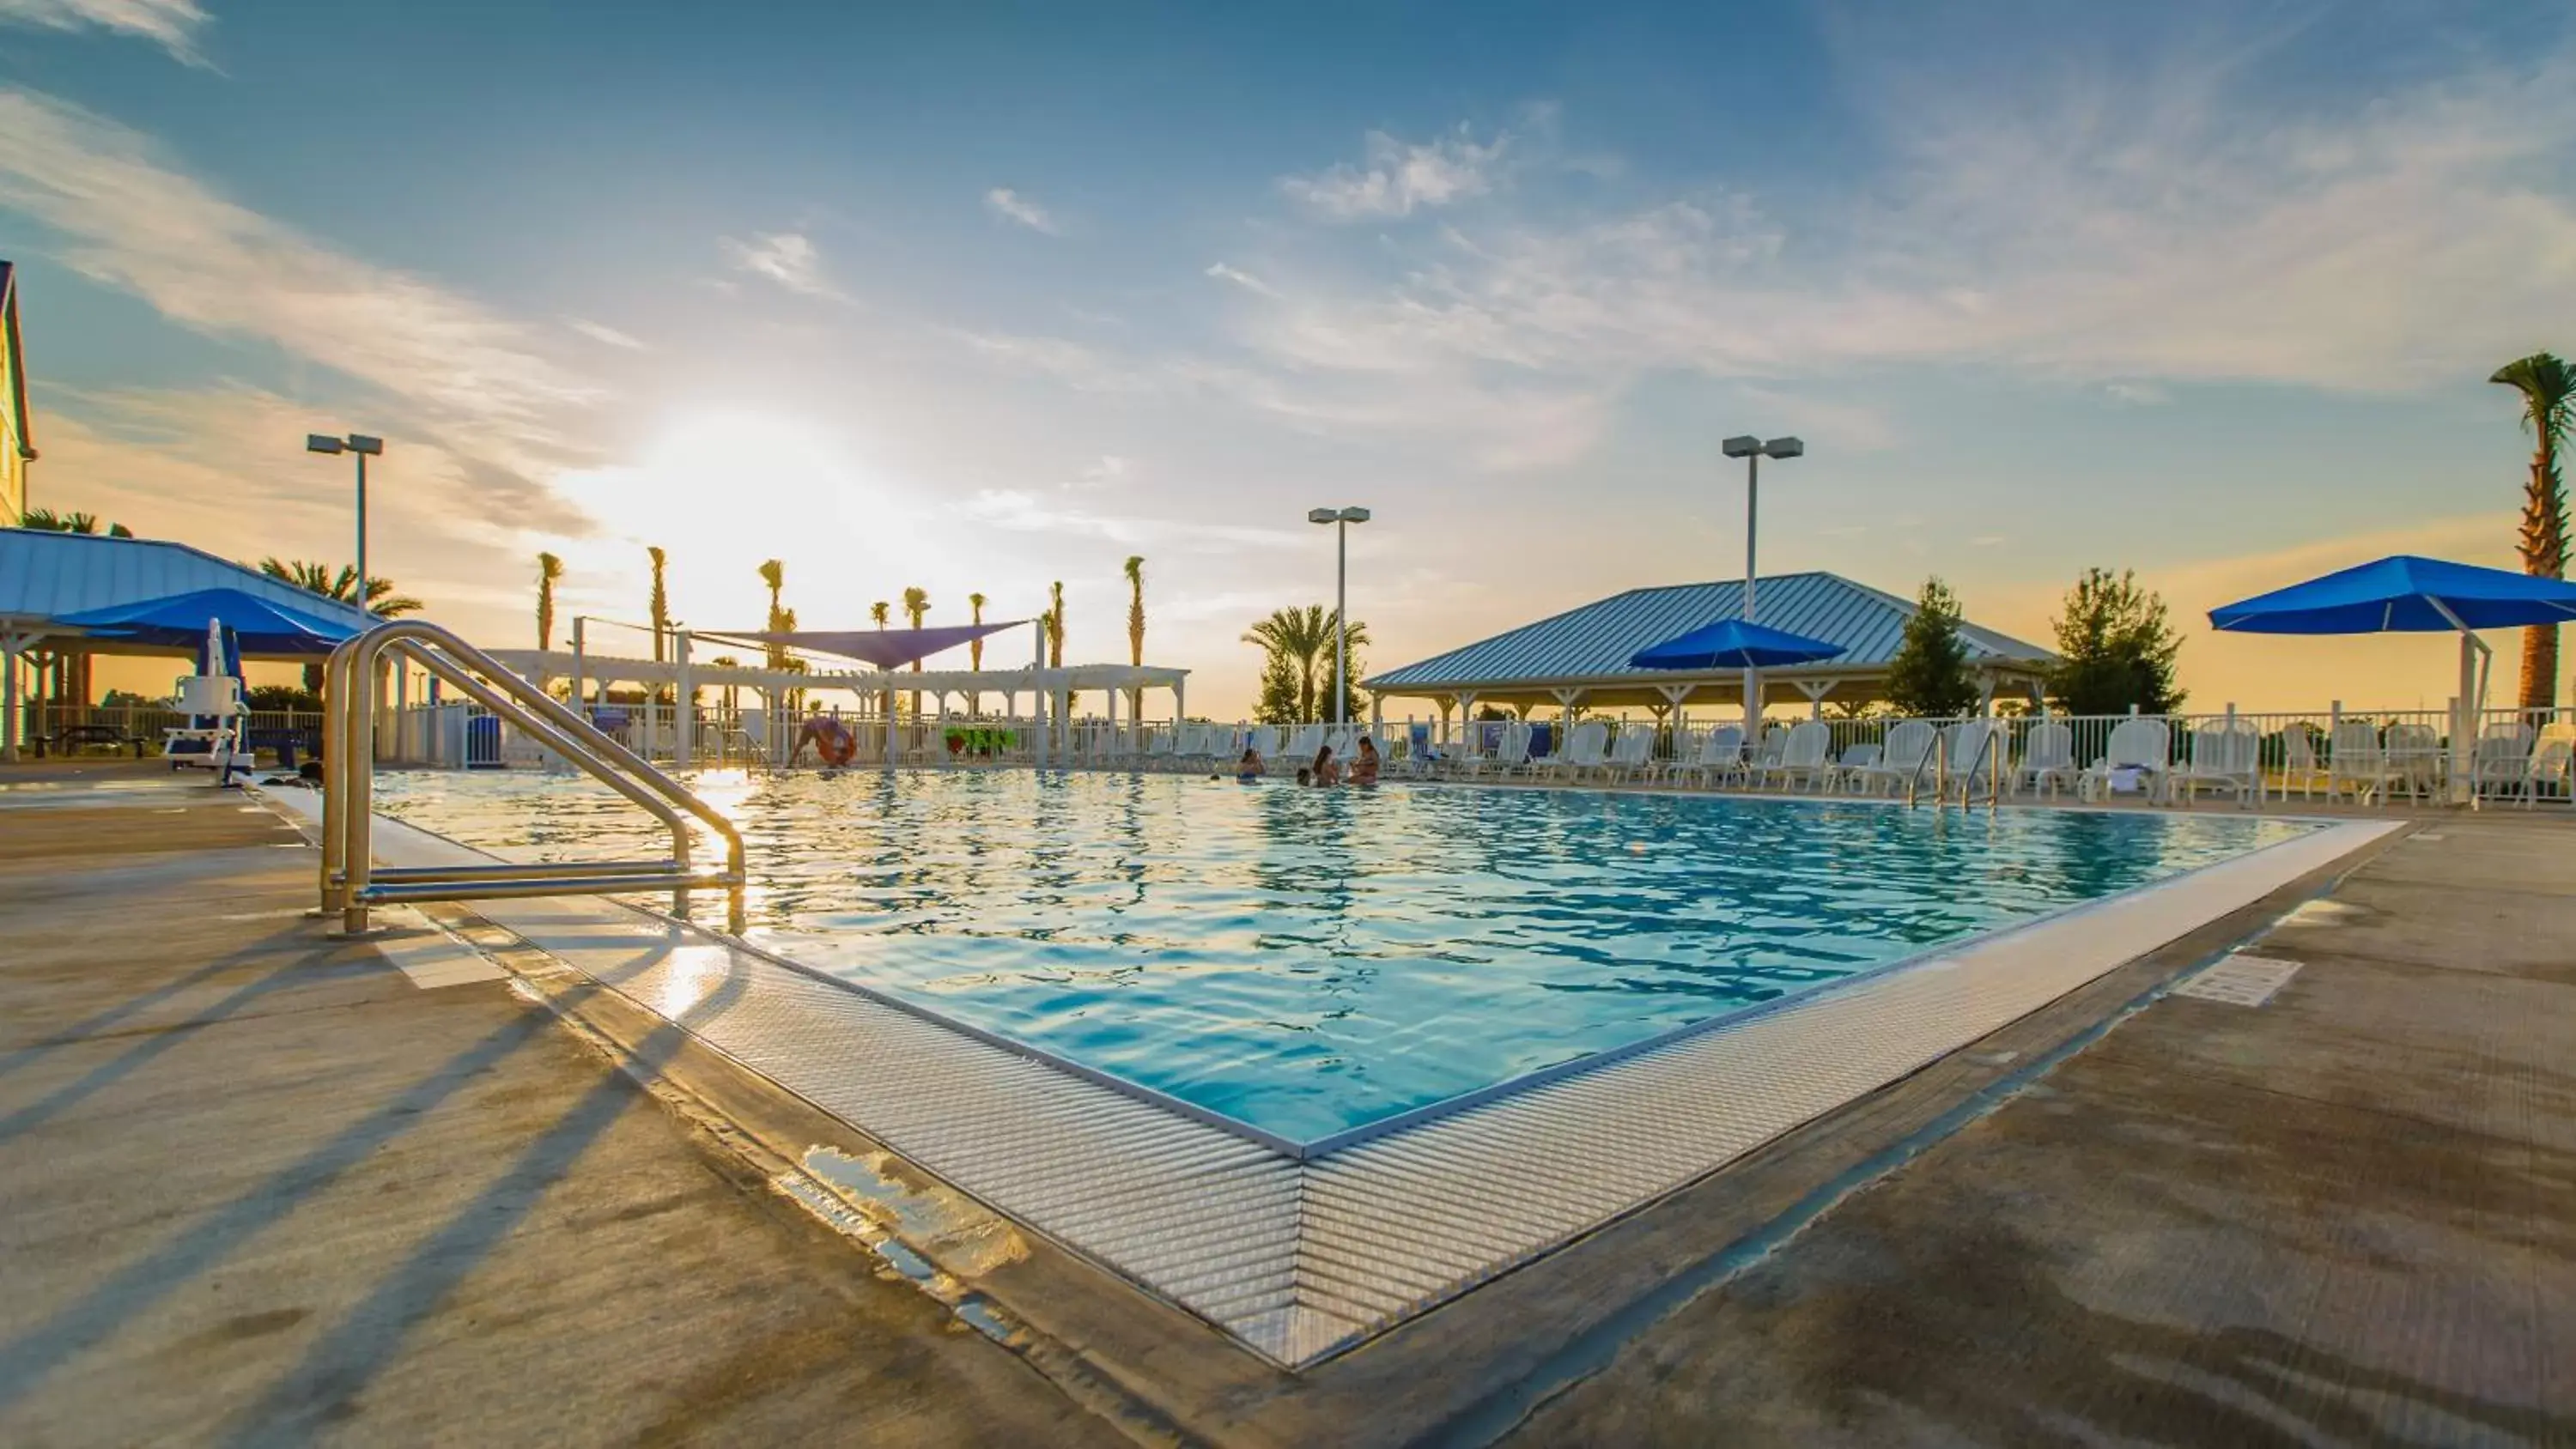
179,621
2403,594
1733,644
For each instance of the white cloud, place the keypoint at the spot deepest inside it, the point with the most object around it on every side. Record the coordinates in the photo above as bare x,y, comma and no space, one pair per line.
788,258
1022,511
171,24
1003,202
1082,368
1398,177
129,221
604,334
1241,278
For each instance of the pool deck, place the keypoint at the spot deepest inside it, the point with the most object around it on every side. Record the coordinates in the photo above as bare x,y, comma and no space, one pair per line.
258,1186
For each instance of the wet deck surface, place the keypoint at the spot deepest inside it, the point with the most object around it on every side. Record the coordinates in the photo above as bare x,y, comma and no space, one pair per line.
257,1187
2345,1217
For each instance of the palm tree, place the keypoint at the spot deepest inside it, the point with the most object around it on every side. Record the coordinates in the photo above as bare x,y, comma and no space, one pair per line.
1298,647
2548,388
975,655
549,569
46,520
916,602
774,574
1055,625
304,573
1134,568
878,612
660,604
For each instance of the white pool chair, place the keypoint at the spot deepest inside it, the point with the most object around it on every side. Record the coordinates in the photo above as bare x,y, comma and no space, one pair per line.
2503,759
1804,756
1510,756
1301,749
2137,745
1909,743
1856,762
2415,756
2356,765
1633,757
1585,750
2300,767
2047,758
2551,767
1720,757
1974,755
2224,756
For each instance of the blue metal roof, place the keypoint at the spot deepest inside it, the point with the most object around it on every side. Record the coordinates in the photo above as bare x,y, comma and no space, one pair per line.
44,576
1595,641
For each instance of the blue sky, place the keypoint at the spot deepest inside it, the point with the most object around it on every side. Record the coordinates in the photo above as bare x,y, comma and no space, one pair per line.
986,297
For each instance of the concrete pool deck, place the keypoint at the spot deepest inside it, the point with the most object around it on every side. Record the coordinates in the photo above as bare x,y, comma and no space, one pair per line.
2349,1213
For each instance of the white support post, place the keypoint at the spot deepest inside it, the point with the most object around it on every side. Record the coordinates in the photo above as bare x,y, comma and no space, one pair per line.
684,703
11,646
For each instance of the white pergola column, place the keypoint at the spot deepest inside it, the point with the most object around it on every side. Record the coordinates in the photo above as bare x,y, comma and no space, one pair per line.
1815,691
12,645
684,702
1566,699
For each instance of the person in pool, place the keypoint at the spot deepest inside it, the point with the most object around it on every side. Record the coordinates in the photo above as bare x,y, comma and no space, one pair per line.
1364,769
1326,769
1248,769
835,744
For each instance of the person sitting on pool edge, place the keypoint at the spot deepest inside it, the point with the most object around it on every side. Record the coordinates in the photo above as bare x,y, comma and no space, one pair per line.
1249,768
1364,769
835,744
1328,771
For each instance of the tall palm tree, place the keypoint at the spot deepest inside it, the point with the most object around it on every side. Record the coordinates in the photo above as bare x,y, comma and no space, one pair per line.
2548,388
776,578
916,602
878,611
549,569
318,578
46,520
1134,568
975,656
660,604
1055,625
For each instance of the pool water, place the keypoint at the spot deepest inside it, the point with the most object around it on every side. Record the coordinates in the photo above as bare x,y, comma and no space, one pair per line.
1311,961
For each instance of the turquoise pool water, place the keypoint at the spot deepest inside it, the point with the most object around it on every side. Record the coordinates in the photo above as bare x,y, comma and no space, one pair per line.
1312,961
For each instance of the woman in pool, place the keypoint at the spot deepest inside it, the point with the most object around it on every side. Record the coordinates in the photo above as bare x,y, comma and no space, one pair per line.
1327,770
1248,769
1364,769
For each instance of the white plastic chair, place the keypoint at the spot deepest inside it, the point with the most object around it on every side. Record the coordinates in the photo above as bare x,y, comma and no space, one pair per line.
1909,742
1971,756
1584,750
2139,744
2224,756
2047,758
1857,761
1721,754
2551,765
2300,766
1634,754
1803,755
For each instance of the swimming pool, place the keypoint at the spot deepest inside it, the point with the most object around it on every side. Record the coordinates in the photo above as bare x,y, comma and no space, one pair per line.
1312,963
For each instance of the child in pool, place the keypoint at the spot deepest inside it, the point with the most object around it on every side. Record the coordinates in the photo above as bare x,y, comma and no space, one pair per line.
1248,769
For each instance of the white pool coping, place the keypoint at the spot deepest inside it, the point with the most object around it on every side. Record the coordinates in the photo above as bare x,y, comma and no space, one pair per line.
1299,1258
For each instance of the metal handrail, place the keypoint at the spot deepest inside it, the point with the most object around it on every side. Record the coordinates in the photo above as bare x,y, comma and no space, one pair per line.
1968,776
1940,750
351,882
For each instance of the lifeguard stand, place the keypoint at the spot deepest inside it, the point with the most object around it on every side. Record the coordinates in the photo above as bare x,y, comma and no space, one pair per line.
218,717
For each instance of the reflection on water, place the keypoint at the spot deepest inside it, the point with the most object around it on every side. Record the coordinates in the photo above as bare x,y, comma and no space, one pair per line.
1309,960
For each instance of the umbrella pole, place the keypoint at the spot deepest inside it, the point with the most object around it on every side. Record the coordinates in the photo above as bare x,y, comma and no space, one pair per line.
2466,711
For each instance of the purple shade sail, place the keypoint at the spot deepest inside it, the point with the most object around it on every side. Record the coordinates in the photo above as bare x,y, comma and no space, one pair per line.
884,648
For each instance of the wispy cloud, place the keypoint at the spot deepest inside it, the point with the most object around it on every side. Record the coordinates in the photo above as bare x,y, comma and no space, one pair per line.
1003,202
171,24
788,258
126,219
1398,177
1241,278
1026,512
601,332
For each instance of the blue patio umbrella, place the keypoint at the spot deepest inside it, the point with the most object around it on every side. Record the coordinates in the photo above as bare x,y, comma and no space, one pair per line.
1733,644
179,621
2403,594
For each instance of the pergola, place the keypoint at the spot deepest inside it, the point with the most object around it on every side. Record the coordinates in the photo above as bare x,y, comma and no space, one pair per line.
1050,692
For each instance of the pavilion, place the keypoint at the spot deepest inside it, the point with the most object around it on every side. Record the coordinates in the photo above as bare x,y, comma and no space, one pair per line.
1580,658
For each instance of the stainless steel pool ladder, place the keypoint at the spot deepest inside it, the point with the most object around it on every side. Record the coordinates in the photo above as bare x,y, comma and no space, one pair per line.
352,882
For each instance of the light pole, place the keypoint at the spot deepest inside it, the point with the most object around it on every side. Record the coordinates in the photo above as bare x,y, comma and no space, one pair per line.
1341,519
1753,450
365,447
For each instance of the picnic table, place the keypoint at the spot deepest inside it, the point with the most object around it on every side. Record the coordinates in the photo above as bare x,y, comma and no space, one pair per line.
88,736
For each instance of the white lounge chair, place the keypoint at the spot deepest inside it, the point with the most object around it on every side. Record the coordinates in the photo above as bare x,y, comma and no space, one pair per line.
2224,756
2300,767
2414,754
2142,746
1804,755
1856,762
2356,765
2551,767
1585,750
2047,758
1634,754
1909,744
2503,759
1720,757
1301,749
1974,754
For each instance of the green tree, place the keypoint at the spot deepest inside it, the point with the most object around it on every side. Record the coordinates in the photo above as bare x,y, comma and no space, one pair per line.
1281,683
342,586
2115,648
2548,388
1929,675
549,569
